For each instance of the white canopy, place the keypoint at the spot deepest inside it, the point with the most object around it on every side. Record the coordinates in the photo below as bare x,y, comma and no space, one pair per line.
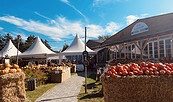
9,50
37,49
77,47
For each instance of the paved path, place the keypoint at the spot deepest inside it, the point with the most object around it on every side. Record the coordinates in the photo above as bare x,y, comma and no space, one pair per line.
64,92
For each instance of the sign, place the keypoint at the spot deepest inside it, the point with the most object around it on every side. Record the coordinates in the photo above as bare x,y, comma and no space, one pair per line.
139,28
7,60
85,53
56,72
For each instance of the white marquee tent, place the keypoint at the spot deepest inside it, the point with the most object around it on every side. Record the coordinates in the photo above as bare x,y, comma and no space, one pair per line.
9,50
37,50
77,47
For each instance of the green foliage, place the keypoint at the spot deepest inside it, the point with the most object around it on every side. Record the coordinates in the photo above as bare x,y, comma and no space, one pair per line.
45,42
23,45
94,90
33,95
1,43
29,41
41,76
103,37
65,47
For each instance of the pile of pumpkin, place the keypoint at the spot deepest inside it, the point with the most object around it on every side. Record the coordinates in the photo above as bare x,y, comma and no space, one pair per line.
31,67
142,69
7,68
60,68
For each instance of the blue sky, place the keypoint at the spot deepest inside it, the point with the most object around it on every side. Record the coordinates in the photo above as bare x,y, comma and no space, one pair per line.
59,20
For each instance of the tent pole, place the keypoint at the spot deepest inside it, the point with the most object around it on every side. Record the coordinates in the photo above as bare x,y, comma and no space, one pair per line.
46,59
85,66
60,58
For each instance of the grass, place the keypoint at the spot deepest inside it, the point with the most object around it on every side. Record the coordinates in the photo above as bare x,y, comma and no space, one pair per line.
33,95
94,90
73,73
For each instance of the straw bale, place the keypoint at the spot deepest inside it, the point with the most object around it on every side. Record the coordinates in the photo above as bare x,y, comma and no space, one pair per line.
12,87
63,75
138,89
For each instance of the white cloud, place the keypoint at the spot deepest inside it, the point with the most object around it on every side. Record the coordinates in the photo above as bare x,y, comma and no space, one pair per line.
96,30
97,3
42,15
112,27
34,26
1,28
61,27
132,18
23,36
74,8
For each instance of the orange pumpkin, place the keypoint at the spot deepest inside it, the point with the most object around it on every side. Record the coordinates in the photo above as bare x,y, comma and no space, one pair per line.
7,65
15,66
5,71
2,67
12,71
18,70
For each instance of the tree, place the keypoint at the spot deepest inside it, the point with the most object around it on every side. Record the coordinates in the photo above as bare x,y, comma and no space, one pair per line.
7,37
45,42
21,44
1,42
103,37
29,41
65,47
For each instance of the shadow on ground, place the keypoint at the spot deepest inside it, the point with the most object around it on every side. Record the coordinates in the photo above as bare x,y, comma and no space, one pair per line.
55,98
91,74
93,95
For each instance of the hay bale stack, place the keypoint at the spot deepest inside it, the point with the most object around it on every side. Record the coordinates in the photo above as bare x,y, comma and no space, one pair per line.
138,88
60,75
12,87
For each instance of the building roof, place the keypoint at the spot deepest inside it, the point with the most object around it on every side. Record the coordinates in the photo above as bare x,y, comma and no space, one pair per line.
77,47
157,25
92,43
37,48
9,50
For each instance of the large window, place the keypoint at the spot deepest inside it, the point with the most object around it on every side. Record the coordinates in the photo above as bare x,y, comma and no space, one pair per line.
155,50
145,53
129,52
126,52
133,51
168,47
150,50
161,47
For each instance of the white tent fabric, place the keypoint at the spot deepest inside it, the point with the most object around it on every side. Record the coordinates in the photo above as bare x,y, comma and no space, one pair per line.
56,56
37,49
9,50
77,47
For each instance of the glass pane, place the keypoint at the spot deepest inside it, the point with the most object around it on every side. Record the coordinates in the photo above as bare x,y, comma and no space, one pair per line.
161,47
155,50
146,52
150,50
168,47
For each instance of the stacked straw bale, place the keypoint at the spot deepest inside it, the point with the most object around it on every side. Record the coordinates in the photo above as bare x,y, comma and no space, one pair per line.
138,88
12,87
61,76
